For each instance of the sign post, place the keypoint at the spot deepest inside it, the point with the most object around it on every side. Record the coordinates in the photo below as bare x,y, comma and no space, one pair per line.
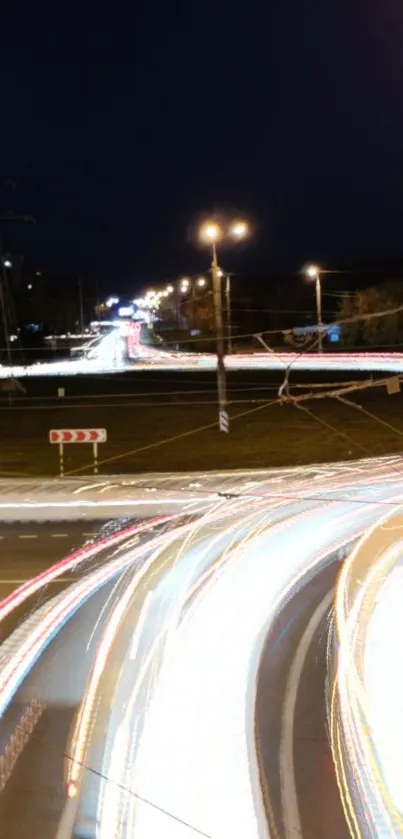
95,457
65,436
61,459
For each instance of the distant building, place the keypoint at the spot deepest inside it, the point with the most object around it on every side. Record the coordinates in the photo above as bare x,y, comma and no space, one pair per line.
303,336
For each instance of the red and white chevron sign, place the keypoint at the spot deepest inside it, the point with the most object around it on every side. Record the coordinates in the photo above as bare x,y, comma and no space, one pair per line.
77,435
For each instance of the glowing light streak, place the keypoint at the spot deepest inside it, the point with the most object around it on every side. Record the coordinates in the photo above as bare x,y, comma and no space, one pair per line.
111,358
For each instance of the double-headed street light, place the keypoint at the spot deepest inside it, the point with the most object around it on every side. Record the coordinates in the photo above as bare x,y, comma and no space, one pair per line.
313,273
187,286
239,230
190,287
212,233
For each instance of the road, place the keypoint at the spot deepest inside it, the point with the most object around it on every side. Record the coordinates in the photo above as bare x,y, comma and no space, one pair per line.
223,616
291,683
112,361
27,548
33,798
178,693
365,712
34,792
210,650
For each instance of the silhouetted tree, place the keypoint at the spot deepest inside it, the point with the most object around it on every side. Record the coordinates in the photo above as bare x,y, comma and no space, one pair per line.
373,331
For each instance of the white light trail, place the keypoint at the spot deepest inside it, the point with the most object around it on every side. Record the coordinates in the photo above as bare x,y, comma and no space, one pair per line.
185,640
110,357
365,720
180,727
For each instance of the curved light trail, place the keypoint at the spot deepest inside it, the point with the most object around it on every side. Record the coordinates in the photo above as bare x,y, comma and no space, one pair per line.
179,757
173,682
366,702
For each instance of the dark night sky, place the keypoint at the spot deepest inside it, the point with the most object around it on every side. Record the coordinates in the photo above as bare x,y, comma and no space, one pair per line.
120,130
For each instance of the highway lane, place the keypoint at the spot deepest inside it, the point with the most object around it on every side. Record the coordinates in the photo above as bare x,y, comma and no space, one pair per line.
201,616
32,800
27,548
210,649
290,716
150,359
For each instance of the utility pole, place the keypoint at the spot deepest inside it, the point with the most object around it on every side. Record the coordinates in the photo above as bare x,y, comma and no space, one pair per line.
223,418
211,232
319,311
177,308
313,272
193,305
229,317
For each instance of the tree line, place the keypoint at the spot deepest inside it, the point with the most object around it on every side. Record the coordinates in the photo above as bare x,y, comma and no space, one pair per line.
373,331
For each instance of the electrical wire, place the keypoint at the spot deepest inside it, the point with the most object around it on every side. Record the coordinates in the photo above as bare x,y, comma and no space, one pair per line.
173,439
334,430
117,784
340,322
370,414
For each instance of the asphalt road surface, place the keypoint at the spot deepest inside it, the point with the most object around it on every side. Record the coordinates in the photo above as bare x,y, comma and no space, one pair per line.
219,588
34,795
290,715
28,548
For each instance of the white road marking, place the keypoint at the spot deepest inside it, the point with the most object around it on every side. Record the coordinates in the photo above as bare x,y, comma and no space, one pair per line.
51,535
289,799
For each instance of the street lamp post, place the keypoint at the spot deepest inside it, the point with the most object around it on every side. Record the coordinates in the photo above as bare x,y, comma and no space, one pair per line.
314,274
197,284
211,233
219,325
239,230
229,318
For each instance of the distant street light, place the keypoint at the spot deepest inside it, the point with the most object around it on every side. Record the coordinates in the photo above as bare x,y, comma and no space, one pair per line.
201,282
211,233
7,263
239,230
313,273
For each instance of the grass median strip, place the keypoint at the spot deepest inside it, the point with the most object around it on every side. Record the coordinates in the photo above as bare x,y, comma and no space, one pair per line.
278,435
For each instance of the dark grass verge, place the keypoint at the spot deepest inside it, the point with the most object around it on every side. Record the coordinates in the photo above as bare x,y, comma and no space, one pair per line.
280,435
